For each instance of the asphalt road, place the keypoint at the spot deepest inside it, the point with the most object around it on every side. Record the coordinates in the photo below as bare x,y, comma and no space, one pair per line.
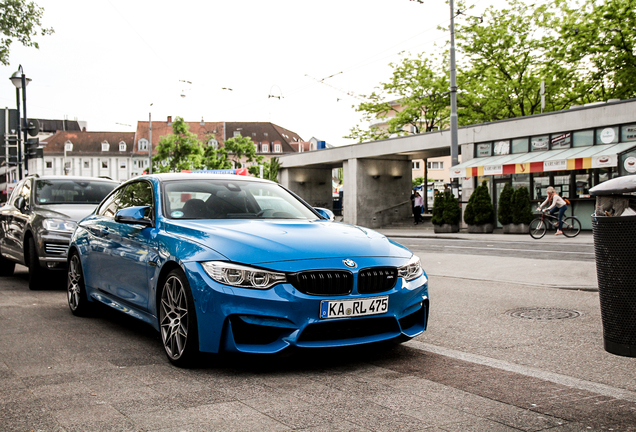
486,363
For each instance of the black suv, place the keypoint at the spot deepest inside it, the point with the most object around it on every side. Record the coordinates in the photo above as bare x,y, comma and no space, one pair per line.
37,222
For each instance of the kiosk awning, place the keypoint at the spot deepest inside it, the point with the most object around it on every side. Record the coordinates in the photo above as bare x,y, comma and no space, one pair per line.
598,156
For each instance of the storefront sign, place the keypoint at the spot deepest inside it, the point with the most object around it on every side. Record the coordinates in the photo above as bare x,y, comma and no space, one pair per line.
608,135
484,150
630,164
561,141
604,161
457,172
555,165
493,170
502,148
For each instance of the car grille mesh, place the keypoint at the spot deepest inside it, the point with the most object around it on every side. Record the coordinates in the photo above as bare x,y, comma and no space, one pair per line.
55,248
376,280
323,282
349,329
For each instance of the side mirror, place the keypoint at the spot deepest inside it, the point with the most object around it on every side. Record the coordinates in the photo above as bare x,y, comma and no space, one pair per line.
20,204
134,216
325,213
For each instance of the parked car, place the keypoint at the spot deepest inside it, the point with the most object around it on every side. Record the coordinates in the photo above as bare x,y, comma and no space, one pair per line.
228,263
37,222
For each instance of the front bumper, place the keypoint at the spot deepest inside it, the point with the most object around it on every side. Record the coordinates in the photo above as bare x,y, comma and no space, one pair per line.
269,321
53,249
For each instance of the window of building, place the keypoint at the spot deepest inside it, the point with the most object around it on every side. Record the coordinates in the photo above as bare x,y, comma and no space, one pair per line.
105,164
435,165
583,183
521,180
122,146
608,135
541,184
583,138
561,141
256,147
264,133
143,144
562,185
628,133
105,146
68,146
502,148
483,150
539,143
237,134
520,145
277,148
49,164
87,164
265,148
415,165
213,143
122,164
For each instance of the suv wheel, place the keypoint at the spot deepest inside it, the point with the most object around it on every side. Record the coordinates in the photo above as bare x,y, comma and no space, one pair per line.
37,274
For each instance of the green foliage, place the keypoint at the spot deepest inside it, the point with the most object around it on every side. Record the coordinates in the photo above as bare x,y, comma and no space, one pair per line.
521,207
216,158
479,210
240,147
416,95
438,209
20,21
452,212
178,151
417,181
270,168
504,205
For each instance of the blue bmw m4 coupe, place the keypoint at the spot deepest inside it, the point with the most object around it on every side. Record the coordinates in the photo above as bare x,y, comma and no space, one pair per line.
231,263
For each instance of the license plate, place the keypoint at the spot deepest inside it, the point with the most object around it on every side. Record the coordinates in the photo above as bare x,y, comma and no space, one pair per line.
353,308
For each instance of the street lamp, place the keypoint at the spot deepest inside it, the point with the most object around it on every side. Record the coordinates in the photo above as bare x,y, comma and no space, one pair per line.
20,81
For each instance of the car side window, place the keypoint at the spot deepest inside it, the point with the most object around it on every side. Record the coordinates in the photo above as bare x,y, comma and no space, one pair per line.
110,205
137,194
26,193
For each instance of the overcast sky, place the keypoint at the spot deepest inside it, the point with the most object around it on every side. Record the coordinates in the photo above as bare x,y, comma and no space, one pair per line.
109,60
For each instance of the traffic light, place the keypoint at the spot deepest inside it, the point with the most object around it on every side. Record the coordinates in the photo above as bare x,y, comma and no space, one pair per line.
32,148
10,149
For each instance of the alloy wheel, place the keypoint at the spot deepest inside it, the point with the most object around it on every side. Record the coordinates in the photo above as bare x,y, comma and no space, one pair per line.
174,317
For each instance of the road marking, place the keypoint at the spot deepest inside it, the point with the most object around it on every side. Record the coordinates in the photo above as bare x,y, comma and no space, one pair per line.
580,384
522,250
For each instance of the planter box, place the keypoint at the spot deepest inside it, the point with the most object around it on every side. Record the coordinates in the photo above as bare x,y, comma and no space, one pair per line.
446,228
481,229
516,229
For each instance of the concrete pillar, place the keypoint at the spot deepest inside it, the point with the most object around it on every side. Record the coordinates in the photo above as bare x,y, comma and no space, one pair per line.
377,192
311,184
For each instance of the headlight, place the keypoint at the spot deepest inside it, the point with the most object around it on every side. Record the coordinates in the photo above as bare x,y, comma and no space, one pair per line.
59,225
242,276
411,270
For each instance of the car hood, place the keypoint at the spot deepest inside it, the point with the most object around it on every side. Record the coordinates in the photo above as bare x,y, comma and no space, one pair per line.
73,212
268,241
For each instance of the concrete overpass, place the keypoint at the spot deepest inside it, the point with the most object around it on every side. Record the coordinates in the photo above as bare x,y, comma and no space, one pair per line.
377,174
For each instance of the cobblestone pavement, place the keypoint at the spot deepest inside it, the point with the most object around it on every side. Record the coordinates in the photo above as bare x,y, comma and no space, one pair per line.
109,373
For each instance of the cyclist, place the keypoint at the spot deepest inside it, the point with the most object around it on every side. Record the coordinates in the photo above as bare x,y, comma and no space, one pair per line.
556,204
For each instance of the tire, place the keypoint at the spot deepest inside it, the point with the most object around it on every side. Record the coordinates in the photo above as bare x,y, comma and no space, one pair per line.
75,288
537,228
7,267
571,227
178,321
37,275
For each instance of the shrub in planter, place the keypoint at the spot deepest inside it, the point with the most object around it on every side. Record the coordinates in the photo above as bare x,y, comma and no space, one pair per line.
504,205
521,207
438,209
479,211
452,212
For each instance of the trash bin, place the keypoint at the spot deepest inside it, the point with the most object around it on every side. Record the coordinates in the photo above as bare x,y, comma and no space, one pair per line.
614,227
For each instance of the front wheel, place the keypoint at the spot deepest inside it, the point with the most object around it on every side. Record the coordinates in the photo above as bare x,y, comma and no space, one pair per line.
75,288
537,228
37,274
571,227
178,321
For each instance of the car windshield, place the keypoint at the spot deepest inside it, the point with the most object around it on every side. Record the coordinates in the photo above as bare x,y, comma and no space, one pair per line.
64,191
229,199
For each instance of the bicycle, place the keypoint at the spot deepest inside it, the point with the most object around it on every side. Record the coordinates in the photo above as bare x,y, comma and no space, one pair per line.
540,225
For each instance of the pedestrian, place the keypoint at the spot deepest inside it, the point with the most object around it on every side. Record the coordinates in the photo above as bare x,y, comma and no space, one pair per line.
418,202
556,204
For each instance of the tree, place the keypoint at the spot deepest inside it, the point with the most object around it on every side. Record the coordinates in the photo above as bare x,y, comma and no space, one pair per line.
504,205
178,151
270,169
216,158
479,210
438,209
601,39
416,96
521,207
505,59
20,21
452,212
241,147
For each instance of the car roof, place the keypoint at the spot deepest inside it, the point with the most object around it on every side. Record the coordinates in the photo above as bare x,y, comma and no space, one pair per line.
78,178
204,176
